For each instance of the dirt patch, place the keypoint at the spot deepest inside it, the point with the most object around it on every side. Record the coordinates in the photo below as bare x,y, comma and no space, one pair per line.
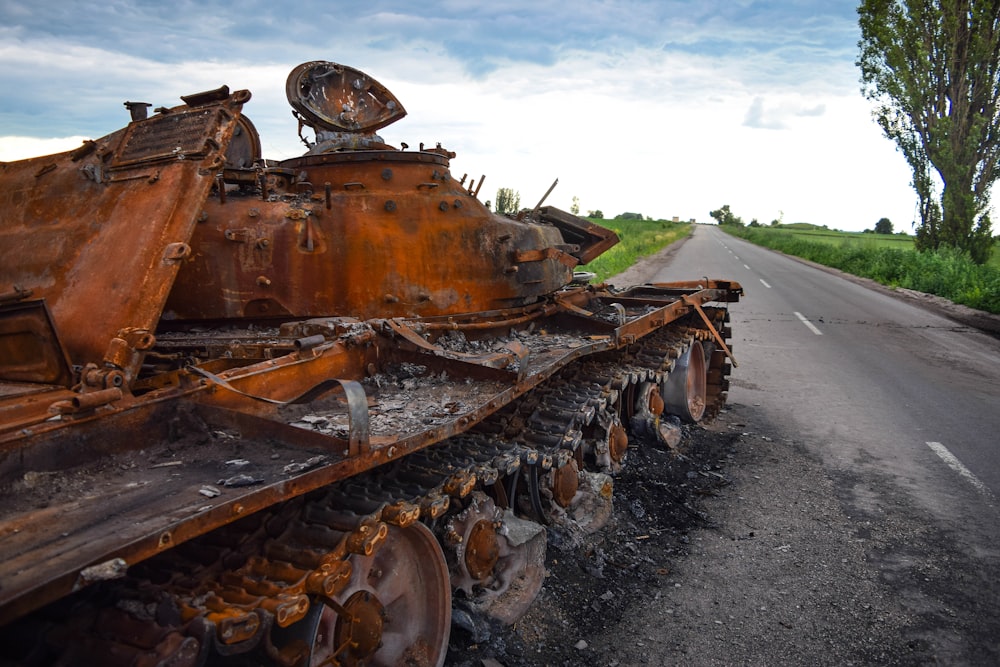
746,550
595,587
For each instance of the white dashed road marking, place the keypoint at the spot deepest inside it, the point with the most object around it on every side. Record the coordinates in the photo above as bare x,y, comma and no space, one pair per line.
812,327
957,466
764,283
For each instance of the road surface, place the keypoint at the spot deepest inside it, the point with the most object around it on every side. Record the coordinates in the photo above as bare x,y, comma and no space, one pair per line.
874,381
864,525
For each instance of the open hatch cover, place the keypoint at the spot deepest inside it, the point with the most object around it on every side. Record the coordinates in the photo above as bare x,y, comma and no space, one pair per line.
335,97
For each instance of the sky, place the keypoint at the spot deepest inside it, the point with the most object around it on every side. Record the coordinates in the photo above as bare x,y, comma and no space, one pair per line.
668,108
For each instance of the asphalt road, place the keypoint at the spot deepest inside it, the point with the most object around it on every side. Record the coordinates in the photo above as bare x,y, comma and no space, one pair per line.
872,380
872,454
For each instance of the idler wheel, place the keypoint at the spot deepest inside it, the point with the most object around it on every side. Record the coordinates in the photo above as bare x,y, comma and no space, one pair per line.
359,627
684,390
497,560
649,406
395,610
482,551
617,442
606,441
564,482
655,401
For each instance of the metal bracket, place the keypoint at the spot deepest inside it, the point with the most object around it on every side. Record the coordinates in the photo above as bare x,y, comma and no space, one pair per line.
688,301
357,405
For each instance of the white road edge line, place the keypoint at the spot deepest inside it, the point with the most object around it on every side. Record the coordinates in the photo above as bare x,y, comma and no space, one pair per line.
812,327
764,283
957,466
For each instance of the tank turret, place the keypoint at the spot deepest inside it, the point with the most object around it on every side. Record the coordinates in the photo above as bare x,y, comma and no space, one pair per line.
358,228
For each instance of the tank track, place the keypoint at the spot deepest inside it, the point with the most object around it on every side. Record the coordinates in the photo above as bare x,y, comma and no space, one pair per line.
218,597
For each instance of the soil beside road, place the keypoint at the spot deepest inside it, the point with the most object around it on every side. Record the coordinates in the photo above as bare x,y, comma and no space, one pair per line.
734,552
743,551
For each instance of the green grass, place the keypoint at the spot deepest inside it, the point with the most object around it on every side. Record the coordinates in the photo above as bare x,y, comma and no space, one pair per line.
994,261
890,260
638,239
832,236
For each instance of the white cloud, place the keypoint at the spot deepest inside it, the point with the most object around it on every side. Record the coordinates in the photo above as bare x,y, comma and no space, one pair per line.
20,148
778,116
659,110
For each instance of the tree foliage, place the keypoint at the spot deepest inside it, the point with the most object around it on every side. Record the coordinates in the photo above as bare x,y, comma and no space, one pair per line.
932,68
574,208
508,201
596,213
726,217
883,226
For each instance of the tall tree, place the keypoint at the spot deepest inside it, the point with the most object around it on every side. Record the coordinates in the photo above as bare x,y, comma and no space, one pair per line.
508,201
932,68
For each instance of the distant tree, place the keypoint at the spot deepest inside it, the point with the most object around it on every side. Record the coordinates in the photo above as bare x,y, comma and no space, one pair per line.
932,67
725,217
574,208
883,226
508,201
754,223
596,213
629,216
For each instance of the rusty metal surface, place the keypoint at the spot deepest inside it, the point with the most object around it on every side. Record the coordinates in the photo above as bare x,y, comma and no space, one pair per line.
29,348
305,253
100,232
238,385
110,513
331,96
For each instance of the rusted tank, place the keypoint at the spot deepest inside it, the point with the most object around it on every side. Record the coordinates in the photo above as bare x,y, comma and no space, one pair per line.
292,412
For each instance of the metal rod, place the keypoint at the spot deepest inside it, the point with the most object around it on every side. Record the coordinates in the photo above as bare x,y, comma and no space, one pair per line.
541,201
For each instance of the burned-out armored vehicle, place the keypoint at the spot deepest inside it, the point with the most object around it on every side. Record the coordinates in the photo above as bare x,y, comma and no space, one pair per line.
290,413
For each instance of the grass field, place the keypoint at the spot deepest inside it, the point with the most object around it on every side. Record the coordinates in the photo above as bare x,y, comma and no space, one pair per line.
638,239
888,259
810,232
819,235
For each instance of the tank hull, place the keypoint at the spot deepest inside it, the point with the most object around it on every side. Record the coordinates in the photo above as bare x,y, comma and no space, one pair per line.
286,411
